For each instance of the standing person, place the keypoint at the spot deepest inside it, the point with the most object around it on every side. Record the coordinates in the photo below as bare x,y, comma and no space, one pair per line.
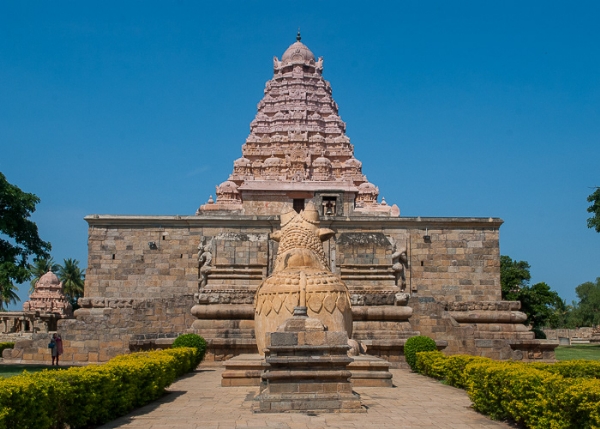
53,349
59,347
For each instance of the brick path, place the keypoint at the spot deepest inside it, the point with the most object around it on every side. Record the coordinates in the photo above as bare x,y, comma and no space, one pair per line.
198,401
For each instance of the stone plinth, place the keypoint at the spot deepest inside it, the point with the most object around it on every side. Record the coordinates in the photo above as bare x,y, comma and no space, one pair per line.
247,369
308,370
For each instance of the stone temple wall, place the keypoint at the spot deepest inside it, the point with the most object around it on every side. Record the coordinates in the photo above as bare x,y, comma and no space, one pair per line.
456,264
156,257
122,263
143,272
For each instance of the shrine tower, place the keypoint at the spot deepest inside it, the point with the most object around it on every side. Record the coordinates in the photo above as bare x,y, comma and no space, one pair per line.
297,151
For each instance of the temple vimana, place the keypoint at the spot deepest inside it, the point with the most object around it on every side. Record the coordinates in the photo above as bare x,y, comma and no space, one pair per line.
226,272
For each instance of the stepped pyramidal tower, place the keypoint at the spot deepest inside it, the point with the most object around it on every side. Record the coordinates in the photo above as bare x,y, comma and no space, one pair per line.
298,150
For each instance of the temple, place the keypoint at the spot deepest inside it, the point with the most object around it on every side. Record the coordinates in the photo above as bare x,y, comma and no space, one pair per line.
151,278
46,305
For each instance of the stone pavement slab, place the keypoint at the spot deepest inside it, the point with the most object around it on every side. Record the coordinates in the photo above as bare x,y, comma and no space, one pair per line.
198,401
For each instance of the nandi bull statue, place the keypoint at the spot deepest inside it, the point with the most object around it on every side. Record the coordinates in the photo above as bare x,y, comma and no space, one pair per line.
301,277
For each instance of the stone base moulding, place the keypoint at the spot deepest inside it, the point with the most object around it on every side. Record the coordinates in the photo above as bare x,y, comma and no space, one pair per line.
366,371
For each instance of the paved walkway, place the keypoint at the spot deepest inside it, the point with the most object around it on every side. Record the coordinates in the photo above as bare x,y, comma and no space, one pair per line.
198,401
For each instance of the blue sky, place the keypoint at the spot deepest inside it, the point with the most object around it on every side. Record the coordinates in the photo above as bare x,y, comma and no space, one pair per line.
454,108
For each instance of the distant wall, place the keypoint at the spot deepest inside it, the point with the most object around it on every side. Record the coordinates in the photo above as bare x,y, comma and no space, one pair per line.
582,333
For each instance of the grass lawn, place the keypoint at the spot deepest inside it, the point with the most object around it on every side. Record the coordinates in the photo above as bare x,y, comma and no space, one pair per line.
578,351
10,370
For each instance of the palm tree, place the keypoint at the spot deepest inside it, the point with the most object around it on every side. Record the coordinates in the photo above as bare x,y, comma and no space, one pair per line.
73,279
40,267
7,294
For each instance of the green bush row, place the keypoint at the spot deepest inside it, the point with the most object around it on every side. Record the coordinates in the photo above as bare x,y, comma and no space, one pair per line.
572,368
6,346
82,396
537,395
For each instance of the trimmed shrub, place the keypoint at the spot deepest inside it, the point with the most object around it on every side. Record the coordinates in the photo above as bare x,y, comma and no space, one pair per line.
413,345
572,368
527,395
431,364
449,368
455,369
538,395
92,395
192,340
581,396
6,346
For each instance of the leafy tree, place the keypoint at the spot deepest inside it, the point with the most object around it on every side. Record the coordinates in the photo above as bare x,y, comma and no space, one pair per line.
514,275
594,221
539,302
19,239
562,316
587,312
40,267
73,279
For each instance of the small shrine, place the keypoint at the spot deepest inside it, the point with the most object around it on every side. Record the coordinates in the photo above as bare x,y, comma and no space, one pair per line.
46,305
48,297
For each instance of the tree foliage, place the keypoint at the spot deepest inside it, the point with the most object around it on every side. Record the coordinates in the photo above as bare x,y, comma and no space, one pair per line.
587,310
539,302
73,279
514,275
19,238
594,209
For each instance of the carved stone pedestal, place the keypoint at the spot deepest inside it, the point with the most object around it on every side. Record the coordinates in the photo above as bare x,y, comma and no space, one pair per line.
308,370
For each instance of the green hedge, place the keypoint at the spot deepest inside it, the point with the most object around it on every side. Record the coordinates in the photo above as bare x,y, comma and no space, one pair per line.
562,395
572,368
6,346
91,395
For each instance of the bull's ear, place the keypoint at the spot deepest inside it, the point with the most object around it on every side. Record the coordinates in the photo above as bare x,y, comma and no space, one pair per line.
325,234
275,235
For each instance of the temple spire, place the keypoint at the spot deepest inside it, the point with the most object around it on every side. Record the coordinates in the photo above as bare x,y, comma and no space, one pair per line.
298,37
